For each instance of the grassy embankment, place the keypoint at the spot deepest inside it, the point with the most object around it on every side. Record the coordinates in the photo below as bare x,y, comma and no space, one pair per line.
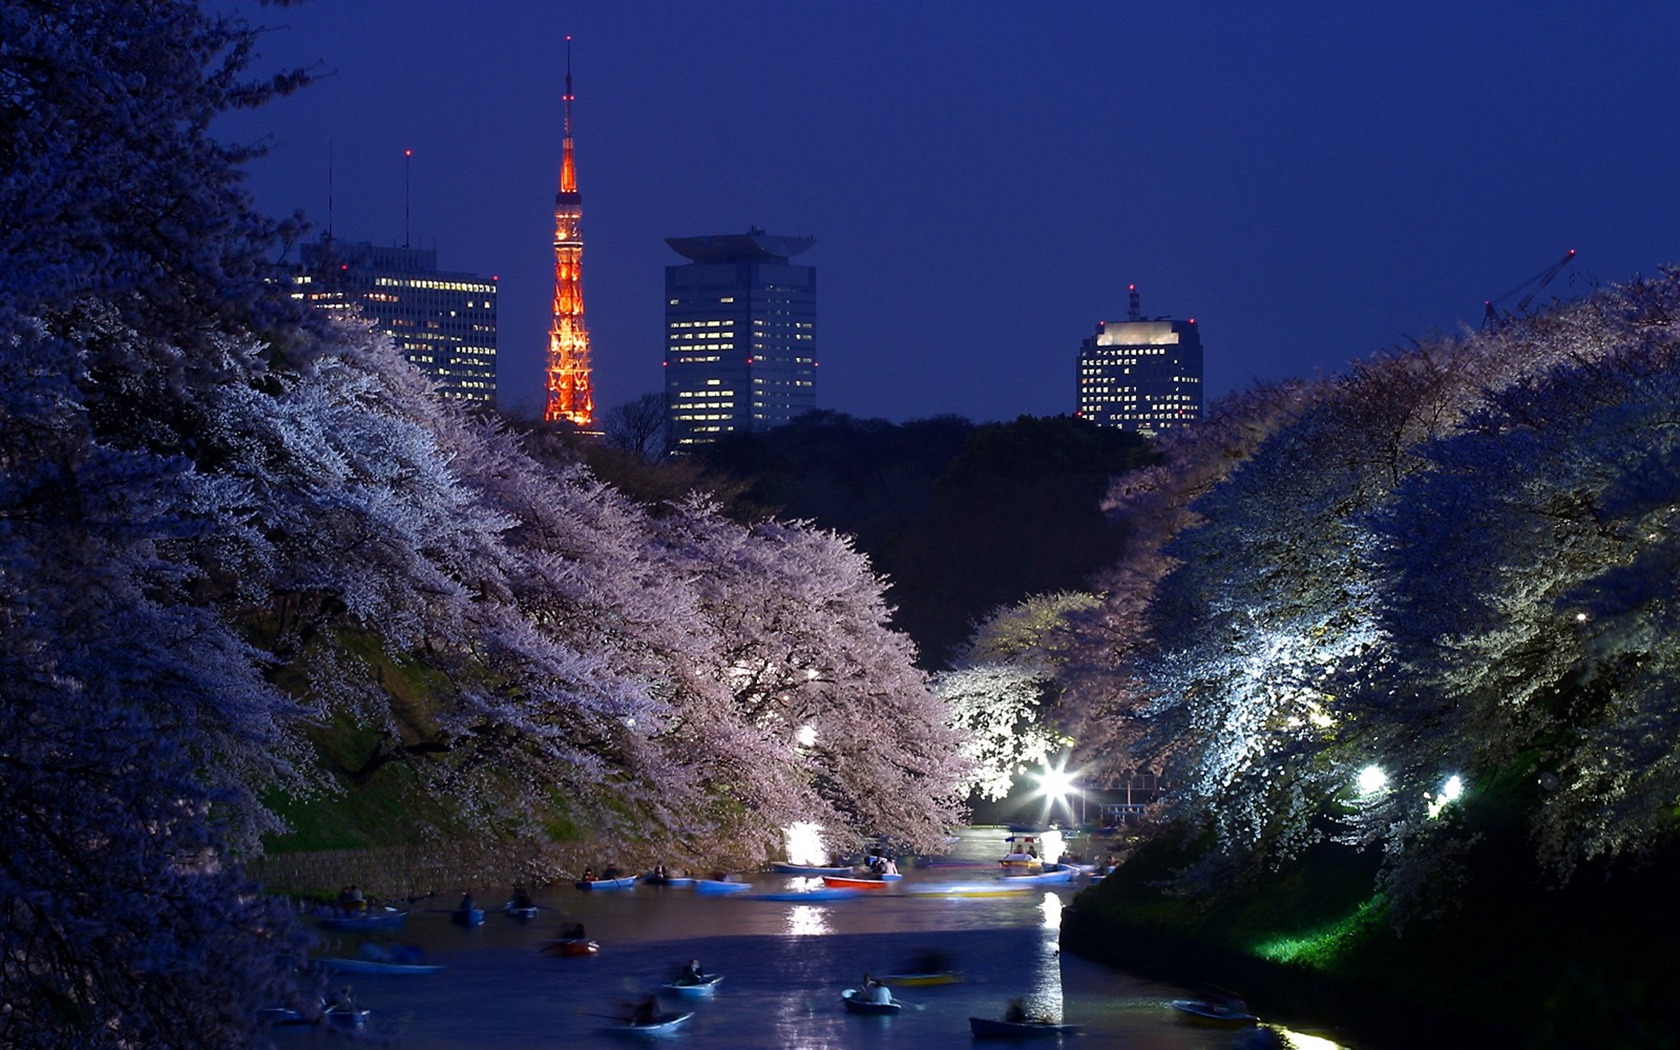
1518,962
373,803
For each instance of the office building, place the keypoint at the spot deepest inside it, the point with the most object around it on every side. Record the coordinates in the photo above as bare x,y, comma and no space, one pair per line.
1142,374
443,323
740,335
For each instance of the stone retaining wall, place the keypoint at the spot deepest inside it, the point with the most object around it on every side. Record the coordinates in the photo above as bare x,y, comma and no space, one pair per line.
414,871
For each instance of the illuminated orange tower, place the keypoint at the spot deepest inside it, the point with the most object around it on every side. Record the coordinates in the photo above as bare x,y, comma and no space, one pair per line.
569,396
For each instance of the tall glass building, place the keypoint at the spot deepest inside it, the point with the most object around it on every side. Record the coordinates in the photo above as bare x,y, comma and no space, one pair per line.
740,335
443,323
1142,375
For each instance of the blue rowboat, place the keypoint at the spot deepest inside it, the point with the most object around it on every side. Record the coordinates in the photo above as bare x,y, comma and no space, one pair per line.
664,1024
386,918
703,986
718,886
623,883
1050,873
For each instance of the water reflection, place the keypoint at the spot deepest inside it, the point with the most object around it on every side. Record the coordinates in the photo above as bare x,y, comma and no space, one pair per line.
808,920
784,965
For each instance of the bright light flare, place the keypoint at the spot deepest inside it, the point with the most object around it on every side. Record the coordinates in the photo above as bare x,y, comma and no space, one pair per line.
1453,788
804,843
806,736
1056,783
1372,780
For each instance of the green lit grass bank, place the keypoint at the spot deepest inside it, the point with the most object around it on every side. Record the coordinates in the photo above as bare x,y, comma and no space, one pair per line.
1518,963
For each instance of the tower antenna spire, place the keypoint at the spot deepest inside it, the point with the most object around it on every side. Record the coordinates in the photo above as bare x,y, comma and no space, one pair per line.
1134,311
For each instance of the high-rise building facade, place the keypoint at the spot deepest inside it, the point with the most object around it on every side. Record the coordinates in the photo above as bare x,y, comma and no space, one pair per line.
571,397
740,335
443,323
1141,374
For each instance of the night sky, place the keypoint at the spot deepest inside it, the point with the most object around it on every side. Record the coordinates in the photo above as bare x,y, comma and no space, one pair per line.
1311,182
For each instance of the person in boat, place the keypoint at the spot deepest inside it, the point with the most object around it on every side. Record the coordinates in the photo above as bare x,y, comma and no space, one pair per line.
692,973
588,875
610,872
659,872
1017,1012
522,897
572,931
467,903
342,1000
646,1011
888,866
928,960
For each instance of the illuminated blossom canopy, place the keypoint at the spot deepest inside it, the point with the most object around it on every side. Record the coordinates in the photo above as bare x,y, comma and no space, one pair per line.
1452,564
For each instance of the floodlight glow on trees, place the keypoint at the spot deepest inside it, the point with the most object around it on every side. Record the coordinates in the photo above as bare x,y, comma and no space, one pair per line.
1372,780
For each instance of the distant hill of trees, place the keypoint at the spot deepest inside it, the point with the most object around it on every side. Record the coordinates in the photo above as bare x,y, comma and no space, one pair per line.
961,518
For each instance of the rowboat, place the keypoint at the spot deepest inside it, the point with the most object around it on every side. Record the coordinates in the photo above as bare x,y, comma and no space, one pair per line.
827,893
704,986
342,965
1049,873
623,883
664,1024
667,880
1214,1014
988,1028
859,1003
385,918
785,868
570,946
995,888
280,1015
467,917
1023,853
916,980
348,1018
719,886
874,882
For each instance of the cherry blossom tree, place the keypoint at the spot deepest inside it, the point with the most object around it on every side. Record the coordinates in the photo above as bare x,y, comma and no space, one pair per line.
226,524
1532,571
1004,691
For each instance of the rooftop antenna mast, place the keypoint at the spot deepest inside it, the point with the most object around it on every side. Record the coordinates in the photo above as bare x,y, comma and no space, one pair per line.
408,155
1134,311
329,191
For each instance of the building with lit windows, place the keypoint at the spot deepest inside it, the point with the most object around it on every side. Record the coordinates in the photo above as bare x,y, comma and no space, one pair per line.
1141,374
740,335
443,323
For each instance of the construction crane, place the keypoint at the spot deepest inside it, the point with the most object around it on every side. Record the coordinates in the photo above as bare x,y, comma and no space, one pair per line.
1492,319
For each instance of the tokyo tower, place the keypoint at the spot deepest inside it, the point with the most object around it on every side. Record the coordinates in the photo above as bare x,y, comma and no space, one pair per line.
569,396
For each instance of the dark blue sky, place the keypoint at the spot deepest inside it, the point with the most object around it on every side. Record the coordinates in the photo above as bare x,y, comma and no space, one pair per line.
1312,183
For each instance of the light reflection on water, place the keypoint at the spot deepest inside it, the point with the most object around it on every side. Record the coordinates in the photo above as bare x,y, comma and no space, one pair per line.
785,964
807,920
